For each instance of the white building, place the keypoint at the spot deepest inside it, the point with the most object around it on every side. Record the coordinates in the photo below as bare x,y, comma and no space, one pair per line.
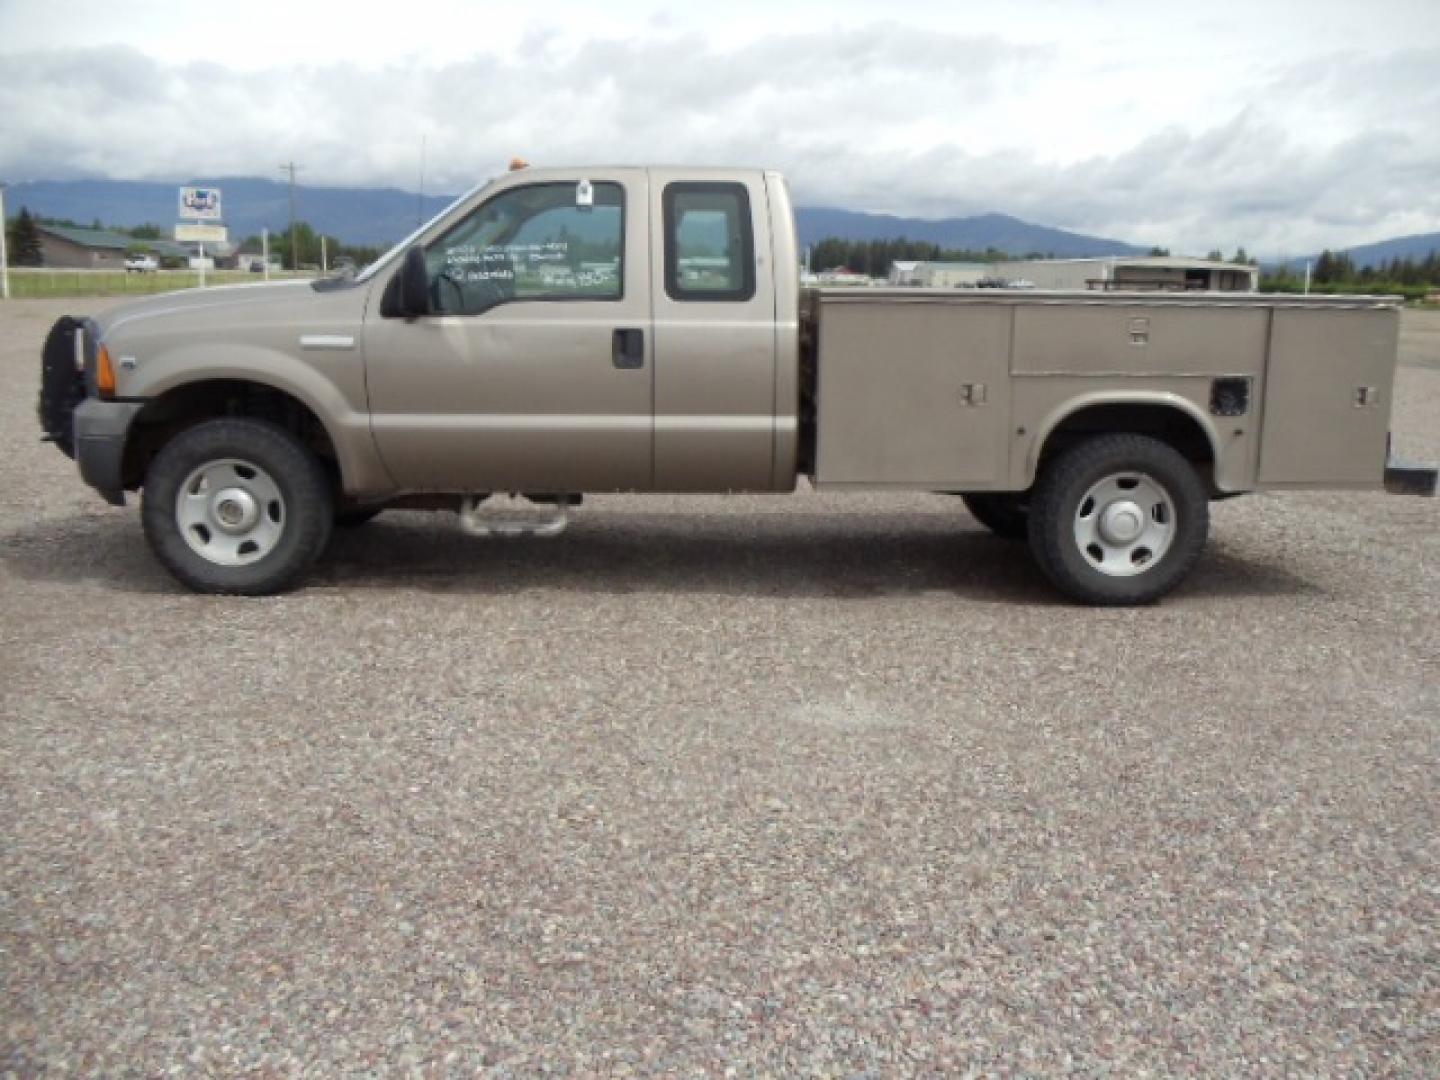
950,275
837,276
1143,273
902,273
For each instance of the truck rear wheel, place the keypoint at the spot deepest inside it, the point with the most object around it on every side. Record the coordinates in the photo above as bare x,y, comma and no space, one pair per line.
1118,519
237,506
1004,513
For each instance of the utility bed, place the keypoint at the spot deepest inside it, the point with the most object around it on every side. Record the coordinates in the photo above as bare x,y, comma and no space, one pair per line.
959,389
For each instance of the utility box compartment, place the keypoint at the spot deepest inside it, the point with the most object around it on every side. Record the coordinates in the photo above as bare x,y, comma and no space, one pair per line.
911,392
1327,397
1138,340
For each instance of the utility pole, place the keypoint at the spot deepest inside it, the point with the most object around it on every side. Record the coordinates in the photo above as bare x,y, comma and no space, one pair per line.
290,167
4,253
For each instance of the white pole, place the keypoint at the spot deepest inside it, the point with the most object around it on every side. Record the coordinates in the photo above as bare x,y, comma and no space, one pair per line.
4,254
324,263
265,251
202,266
1307,279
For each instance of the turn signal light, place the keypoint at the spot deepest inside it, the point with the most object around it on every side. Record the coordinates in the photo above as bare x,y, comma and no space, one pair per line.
105,373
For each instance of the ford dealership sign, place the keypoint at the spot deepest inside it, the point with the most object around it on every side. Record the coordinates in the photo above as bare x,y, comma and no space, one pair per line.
200,203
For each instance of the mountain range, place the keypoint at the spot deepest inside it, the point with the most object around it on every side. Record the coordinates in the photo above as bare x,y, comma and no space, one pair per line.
1417,247
977,233
380,216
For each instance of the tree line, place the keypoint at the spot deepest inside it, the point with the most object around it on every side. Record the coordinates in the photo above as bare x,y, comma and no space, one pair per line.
307,243
1337,272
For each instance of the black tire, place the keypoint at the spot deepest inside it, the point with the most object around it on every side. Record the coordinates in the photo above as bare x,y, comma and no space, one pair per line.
352,517
1004,513
303,517
62,385
1057,508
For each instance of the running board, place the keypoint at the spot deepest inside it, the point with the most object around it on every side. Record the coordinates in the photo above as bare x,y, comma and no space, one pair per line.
507,521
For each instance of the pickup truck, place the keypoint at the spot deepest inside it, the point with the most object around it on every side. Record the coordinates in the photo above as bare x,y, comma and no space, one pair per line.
563,331
141,264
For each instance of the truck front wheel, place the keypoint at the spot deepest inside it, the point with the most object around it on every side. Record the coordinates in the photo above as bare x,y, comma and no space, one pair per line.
1118,519
237,506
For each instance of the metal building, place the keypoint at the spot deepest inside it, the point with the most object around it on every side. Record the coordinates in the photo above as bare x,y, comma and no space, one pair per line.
949,275
1144,273
62,245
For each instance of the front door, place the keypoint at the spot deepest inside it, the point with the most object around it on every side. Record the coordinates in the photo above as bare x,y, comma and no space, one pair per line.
533,371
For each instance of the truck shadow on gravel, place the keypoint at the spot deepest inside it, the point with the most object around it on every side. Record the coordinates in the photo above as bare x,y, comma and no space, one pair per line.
812,556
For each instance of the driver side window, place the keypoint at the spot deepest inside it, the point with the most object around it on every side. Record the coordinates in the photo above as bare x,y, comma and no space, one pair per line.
531,243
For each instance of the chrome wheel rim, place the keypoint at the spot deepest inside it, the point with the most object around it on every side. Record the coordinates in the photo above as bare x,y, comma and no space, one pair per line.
230,512
1124,524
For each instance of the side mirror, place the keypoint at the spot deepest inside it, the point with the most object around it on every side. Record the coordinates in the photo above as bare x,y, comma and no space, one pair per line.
408,294
415,282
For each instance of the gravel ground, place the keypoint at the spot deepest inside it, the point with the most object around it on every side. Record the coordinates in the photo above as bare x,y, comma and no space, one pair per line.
810,784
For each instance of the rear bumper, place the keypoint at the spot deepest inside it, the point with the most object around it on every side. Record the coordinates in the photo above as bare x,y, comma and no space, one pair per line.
1403,478
100,430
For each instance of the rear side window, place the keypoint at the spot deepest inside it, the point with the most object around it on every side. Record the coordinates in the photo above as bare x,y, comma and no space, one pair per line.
709,242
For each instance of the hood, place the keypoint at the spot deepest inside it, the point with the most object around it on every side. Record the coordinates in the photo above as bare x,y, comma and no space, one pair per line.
238,331
222,303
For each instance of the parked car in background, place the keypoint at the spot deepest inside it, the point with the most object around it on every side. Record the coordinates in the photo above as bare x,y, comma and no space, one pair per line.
141,264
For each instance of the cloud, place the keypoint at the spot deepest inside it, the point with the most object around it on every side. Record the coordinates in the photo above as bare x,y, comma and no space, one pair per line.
1337,149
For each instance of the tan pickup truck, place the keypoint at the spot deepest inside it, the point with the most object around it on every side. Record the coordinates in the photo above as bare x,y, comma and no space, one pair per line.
562,331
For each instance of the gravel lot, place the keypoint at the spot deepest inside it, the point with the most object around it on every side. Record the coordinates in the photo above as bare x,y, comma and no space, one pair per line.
812,784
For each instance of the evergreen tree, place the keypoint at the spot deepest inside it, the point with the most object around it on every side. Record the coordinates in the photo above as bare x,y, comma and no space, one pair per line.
24,241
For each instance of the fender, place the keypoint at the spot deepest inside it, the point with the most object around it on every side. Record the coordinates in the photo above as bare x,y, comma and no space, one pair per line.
362,472
1227,477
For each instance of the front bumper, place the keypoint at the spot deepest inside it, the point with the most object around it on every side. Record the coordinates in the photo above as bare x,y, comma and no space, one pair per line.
100,430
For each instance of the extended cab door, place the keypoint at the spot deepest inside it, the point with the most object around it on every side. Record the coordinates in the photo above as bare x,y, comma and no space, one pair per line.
715,332
533,372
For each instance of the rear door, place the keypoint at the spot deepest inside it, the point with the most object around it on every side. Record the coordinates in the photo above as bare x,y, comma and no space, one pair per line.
534,371
715,333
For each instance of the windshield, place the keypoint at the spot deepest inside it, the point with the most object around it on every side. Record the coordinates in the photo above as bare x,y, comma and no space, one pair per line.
399,249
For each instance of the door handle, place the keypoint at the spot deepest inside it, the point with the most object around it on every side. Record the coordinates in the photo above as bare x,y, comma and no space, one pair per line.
627,349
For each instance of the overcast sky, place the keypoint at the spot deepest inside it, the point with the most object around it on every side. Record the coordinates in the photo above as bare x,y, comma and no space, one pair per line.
1281,126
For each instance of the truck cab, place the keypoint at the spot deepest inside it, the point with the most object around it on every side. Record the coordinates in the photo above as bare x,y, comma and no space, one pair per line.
593,330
